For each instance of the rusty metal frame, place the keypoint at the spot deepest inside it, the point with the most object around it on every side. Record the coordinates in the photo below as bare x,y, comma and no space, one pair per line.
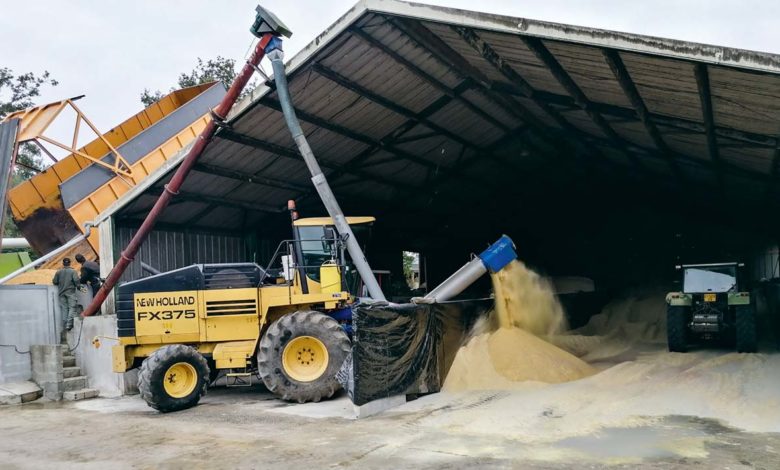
33,123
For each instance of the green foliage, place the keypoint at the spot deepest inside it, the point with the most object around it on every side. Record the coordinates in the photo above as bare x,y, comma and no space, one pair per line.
408,262
18,92
219,69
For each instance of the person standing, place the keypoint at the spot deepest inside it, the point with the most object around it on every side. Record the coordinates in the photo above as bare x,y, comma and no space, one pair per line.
67,281
90,273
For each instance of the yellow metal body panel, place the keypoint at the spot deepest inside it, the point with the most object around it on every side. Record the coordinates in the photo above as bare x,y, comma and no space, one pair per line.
119,360
326,221
231,314
330,279
233,354
166,314
226,323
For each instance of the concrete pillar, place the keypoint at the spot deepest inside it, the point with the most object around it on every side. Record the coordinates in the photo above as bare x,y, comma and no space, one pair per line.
96,363
47,369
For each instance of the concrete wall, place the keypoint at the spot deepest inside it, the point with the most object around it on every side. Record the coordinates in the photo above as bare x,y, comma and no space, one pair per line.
28,315
96,363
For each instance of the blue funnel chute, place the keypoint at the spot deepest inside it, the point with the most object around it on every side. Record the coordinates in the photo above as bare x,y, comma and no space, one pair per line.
494,259
499,254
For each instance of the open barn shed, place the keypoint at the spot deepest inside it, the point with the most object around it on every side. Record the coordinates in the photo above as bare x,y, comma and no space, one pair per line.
602,154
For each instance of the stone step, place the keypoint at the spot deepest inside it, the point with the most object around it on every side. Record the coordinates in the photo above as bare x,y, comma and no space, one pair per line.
68,361
74,383
68,372
82,394
19,392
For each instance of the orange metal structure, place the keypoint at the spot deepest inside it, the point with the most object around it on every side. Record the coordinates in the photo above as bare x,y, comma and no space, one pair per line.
54,206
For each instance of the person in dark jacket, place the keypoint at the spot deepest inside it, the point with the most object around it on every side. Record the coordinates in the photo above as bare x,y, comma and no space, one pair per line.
90,273
67,282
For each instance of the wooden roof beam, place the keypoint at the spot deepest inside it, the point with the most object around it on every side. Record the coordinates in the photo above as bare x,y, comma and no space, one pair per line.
560,74
621,74
705,97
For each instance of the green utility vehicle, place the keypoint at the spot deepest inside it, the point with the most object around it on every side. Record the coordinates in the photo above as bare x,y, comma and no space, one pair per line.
711,307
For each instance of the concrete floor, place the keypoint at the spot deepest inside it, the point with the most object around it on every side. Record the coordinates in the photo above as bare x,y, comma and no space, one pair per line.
248,428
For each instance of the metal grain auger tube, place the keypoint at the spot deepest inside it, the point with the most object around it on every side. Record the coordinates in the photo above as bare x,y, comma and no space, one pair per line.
274,52
494,259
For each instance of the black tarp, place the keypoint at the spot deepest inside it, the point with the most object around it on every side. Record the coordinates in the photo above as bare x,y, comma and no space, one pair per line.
405,349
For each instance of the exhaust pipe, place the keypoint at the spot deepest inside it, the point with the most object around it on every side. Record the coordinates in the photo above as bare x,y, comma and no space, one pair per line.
494,259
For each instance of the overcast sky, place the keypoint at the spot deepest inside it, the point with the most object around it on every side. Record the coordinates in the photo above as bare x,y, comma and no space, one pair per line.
112,50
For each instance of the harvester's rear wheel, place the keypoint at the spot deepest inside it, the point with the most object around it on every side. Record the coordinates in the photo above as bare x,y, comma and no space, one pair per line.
747,336
300,354
677,328
173,378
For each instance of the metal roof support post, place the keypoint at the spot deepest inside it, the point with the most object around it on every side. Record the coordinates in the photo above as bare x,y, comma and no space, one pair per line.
172,188
8,150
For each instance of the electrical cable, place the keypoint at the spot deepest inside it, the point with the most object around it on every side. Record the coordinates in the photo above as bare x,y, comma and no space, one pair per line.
78,340
16,348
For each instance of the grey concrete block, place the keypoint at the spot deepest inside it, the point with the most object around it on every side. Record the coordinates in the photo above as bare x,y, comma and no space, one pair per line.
82,394
131,382
46,362
19,392
74,383
8,398
377,406
52,390
68,372
69,361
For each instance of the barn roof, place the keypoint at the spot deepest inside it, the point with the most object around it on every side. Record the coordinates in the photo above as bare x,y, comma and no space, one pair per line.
425,109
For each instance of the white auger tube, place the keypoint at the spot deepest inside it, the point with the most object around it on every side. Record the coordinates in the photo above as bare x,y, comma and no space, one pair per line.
318,178
494,259
457,282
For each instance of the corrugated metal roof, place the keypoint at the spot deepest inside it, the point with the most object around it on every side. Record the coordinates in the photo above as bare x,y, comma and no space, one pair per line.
406,103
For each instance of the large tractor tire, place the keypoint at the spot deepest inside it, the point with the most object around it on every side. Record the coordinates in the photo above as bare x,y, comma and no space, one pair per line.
173,378
747,336
677,328
300,355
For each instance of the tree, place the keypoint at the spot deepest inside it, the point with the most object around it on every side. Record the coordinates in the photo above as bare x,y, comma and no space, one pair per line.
18,92
221,69
409,259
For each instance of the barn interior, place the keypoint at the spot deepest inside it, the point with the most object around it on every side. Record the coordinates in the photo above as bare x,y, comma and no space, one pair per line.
605,155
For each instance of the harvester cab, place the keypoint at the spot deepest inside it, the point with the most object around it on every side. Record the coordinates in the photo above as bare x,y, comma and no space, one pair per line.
713,305
315,259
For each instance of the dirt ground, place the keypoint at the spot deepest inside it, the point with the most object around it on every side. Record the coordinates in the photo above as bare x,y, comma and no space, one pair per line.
248,428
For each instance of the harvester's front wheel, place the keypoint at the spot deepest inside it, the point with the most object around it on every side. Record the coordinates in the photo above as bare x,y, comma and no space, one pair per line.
747,336
173,378
677,328
300,354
